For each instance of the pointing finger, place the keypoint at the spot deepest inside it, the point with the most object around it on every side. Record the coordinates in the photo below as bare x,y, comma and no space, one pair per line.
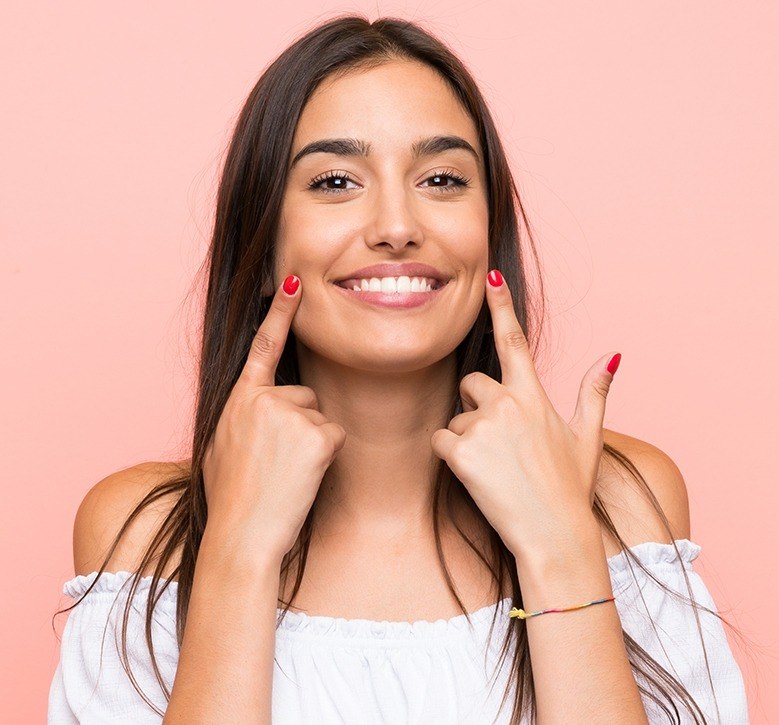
271,337
516,364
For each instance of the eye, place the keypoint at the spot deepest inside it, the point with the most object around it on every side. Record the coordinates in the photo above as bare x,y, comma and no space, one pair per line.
459,181
337,176
340,179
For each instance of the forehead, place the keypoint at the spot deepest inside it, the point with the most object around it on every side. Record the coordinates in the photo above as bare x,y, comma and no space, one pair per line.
389,105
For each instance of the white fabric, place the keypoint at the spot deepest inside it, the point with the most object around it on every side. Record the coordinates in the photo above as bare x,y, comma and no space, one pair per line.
361,672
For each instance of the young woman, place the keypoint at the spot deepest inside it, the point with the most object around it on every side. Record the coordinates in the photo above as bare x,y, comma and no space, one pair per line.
373,449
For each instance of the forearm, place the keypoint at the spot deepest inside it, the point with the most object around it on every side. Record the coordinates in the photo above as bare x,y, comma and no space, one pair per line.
580,667
225,668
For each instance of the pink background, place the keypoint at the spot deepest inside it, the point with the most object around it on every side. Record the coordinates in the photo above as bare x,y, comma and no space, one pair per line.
644,139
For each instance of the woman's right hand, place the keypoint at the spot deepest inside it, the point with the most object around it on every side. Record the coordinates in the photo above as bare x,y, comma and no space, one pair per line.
271,447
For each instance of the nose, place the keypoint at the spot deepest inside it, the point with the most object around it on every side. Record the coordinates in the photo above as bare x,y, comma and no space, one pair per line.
394,220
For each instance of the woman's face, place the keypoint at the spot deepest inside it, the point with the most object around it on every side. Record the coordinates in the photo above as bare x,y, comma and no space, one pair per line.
390,206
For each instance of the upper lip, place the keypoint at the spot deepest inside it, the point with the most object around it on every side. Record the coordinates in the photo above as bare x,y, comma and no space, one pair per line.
404,269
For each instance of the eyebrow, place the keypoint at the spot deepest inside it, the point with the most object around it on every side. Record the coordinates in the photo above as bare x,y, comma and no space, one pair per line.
356,147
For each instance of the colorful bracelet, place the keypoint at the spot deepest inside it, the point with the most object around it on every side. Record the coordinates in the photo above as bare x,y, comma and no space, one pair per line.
522,614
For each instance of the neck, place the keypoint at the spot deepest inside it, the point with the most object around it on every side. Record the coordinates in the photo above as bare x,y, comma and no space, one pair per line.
381,483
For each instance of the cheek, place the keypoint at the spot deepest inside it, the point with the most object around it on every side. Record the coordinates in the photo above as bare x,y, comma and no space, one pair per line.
463,227
469,248
297,234
313,237
299,252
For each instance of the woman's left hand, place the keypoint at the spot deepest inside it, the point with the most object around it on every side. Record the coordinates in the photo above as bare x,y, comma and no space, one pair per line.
530,473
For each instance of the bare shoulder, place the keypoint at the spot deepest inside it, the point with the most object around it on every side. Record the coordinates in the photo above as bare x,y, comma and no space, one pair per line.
106,507
628,503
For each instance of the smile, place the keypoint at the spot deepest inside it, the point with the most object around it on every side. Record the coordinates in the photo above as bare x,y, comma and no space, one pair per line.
401,292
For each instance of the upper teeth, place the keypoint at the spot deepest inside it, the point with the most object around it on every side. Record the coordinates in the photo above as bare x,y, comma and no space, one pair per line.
395,284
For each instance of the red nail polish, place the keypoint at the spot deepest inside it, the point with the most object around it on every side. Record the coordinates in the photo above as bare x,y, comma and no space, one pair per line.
495,278
614,363
291,285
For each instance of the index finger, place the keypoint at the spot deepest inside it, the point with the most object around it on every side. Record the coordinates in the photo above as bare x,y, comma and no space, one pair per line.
271,336
516,364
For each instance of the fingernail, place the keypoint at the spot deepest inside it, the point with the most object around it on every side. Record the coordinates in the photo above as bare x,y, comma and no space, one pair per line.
290,285
614,363
495,278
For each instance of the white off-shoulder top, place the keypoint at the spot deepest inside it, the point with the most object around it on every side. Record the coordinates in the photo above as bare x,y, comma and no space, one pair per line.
362,672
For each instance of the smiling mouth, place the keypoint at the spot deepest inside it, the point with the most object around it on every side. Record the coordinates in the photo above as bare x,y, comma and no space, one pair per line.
399,299
389,285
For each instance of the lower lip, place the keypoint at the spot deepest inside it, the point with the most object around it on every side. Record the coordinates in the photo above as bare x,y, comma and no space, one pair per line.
402,300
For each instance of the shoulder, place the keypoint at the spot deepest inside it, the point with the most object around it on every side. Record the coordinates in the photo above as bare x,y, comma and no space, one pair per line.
627,501
104,510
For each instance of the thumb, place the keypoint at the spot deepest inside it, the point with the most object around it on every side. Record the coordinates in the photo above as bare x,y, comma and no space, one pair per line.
591,404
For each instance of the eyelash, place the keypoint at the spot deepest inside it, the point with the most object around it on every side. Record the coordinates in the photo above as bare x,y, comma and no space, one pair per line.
460,181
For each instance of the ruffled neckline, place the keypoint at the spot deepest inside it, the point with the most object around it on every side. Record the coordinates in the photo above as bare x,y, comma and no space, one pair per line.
649,553
324,626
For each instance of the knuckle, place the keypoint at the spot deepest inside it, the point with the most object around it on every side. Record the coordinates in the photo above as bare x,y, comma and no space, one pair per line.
299,416
470,379
316,417
324,442
506,405
456,448
515,340
267,402
312,396
461,455
263,344
480,427
601,387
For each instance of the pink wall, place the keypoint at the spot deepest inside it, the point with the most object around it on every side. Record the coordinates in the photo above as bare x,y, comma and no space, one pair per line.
644,138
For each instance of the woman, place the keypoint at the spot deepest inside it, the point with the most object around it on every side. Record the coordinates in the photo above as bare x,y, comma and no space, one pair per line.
374,450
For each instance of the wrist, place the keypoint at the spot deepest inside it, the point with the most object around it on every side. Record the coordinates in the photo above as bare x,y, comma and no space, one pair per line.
567,546
238,551
571,574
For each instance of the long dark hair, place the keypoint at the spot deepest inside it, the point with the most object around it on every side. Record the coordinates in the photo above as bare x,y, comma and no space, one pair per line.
240,267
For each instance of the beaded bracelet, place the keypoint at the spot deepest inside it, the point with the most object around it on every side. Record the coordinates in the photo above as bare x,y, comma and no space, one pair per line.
522,614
